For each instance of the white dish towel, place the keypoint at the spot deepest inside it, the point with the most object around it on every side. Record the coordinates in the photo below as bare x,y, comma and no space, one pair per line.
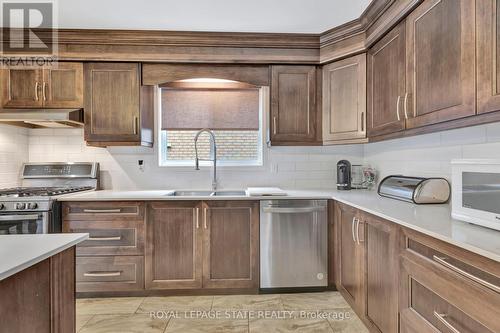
265,191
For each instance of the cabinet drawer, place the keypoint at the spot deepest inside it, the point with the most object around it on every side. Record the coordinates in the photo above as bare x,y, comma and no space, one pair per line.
109,273
109,237
448,302
459,267
103,210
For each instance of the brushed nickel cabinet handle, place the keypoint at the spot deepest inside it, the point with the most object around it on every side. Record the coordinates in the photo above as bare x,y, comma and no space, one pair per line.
102,274
362,121
406,105
103,211
197,218
44,91
353,227
468,275
205,213
97,239
36,91
359,241
397,108
442,318
274,125
136,125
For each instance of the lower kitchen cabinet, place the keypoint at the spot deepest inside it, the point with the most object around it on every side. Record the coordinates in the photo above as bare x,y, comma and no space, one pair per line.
231,244
174,245
367,266
194,245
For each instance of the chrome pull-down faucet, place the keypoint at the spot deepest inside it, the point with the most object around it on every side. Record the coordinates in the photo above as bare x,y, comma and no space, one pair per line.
213,147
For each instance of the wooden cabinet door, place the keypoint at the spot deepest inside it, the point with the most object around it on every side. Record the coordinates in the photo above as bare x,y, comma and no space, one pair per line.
344,100
488,55
349,258
112,102
293,104
386,83
381,252
21,88
173,246
440,62
231,244
63,86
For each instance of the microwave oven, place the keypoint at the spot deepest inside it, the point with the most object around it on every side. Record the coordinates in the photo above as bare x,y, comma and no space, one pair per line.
476,192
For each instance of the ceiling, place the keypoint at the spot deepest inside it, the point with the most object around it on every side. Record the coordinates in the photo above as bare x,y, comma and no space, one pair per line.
283,16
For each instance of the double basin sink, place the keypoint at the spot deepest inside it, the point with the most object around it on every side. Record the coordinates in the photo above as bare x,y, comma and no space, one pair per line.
208,194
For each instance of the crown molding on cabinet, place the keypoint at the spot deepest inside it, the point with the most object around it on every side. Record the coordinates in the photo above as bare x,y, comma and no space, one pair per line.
232,47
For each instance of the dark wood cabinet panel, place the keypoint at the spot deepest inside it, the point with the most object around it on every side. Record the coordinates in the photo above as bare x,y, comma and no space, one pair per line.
381,255
118,111
174,245
344,100
63,86
387,84
231,242
349,258
21,88
293,105
488,55
440,37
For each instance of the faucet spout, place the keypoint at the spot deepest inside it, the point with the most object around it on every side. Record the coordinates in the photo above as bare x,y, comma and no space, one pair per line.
213,146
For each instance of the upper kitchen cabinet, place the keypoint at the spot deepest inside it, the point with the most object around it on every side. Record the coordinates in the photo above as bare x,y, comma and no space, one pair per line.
440,62
387,84
293,105
488,55
57,87
344,101
118,110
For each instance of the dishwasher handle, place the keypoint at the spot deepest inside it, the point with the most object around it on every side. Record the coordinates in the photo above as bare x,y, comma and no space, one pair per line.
293,210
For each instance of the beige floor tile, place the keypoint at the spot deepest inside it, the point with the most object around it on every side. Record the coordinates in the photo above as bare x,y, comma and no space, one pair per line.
350,324
247,302
290,325
176,303
120,305
82,320
131,323
313,301
207,326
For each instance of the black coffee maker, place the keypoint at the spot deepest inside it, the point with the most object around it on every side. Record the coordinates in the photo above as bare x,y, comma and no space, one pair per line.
343,175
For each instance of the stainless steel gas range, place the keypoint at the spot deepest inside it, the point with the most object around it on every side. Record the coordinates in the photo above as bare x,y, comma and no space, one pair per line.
33,208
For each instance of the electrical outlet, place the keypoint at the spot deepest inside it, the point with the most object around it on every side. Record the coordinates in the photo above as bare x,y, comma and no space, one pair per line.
141,165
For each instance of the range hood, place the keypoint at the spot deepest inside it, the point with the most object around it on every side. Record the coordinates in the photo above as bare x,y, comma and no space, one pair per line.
49,118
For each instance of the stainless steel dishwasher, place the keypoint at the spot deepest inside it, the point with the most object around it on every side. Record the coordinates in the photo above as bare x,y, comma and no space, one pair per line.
293,243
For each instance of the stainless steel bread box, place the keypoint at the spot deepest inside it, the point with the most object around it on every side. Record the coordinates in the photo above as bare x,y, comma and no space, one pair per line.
416,190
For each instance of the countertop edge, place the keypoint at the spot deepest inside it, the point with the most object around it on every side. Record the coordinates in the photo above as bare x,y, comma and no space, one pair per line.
27,264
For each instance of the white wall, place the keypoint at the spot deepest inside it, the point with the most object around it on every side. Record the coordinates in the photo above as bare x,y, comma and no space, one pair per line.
13,153
288,167
307,167
431,154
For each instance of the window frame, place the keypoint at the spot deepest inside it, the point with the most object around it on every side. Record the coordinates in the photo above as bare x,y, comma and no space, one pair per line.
183,165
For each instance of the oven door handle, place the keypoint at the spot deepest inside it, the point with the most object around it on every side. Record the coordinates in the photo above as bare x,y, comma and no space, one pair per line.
292,210
19,217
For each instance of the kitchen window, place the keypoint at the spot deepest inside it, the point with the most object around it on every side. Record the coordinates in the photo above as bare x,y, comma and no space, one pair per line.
232,110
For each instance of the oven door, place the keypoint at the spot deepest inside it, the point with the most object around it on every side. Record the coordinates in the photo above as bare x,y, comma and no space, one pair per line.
24,223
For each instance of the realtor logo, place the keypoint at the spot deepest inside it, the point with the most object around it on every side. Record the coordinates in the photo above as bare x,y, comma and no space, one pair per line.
29,31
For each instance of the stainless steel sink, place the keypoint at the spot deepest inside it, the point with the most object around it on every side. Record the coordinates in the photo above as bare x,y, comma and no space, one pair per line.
207,193
191,193
229,193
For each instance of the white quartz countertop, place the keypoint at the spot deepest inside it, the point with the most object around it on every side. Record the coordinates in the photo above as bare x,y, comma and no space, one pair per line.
432,220
18,252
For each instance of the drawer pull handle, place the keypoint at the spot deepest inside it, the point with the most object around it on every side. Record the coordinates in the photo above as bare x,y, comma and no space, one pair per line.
102,274
442,319
98,239
103,211
482,282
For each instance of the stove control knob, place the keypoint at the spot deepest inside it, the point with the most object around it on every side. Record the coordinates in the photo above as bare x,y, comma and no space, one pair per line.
20,206
32,205
2,206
